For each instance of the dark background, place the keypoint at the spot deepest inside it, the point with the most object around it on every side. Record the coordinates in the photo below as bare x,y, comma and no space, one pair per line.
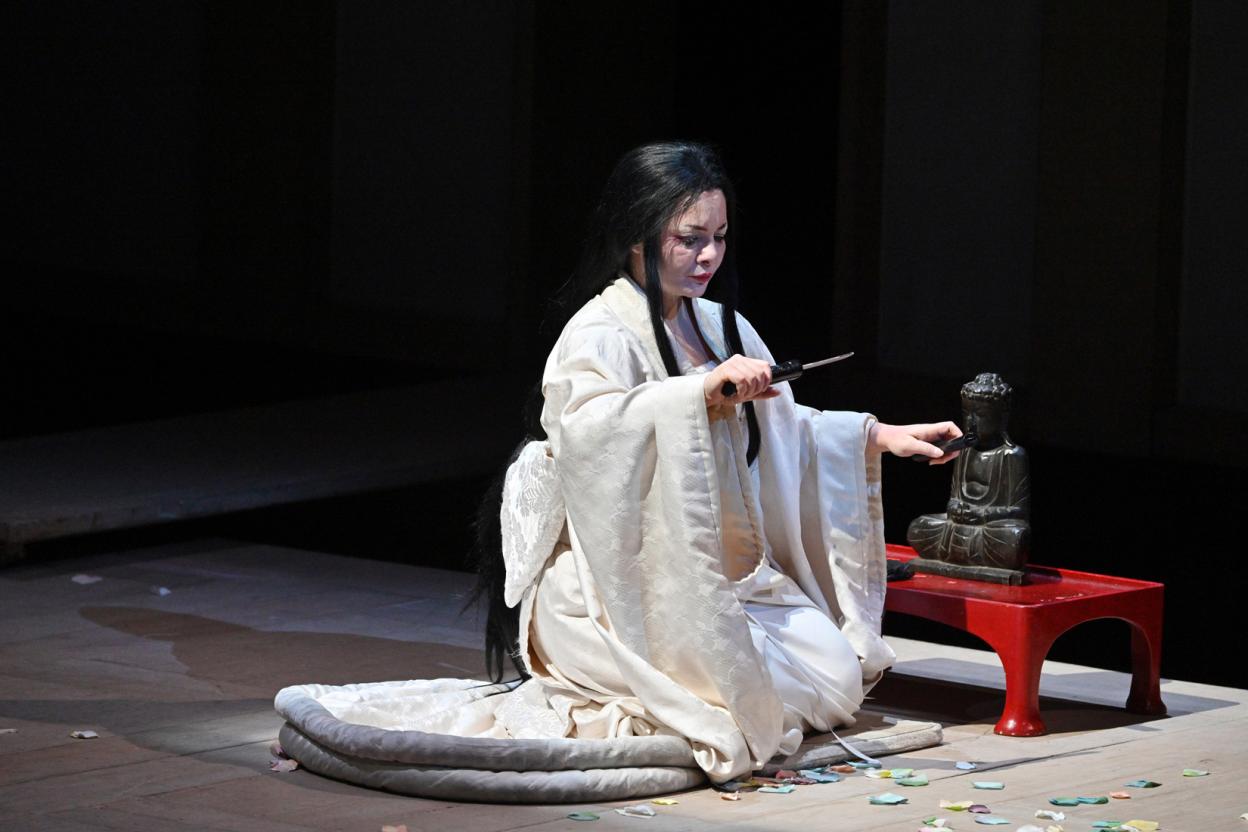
205,205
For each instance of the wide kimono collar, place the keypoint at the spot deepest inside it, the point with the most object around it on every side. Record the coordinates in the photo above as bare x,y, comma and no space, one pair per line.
628,301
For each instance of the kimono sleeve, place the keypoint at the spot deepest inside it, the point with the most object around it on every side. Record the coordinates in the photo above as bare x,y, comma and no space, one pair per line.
824,519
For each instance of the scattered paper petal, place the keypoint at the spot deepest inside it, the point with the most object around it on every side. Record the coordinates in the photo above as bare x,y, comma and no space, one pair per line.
966,765
1142,784
879,773
821,776
898,773
1120,795
919,779
641,811
986,784
8,730
86,579
1049,814
1030,827
582,816
664,801
957,805
1106,824
1244,816
1093,800
755,782
1054,828
1064,801
782,789
862,764
887,799
83,735
283,765
402,827
1195,772
1143,825
730,795
979,809
843,768
991,820
162,591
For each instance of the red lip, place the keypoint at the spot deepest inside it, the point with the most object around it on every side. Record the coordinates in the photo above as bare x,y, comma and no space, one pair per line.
703,278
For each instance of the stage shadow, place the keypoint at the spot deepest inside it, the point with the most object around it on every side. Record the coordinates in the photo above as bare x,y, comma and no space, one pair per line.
230,720
962,703
1106,687
248,662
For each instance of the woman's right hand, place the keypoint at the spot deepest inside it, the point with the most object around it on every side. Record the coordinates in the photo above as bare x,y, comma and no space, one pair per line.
752,377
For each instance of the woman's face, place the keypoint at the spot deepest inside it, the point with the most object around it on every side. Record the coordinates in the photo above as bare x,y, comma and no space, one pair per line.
692,248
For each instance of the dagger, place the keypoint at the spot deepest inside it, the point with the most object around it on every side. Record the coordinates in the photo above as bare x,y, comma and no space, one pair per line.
786,371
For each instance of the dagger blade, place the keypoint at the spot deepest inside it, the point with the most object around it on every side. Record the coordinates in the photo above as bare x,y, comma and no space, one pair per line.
812,365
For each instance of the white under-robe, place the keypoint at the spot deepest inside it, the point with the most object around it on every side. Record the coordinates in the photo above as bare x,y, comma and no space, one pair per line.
687,592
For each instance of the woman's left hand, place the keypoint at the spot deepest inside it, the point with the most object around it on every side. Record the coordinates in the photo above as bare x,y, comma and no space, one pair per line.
911,440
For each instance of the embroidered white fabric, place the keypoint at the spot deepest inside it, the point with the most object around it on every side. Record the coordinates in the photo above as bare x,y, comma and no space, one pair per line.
532,517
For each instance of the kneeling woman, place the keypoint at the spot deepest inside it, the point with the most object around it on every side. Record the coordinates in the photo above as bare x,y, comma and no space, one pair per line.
684,561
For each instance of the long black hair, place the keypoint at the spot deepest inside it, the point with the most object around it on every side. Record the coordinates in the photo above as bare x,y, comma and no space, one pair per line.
649,186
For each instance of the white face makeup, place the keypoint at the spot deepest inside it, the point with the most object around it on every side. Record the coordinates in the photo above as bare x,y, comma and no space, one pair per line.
692,248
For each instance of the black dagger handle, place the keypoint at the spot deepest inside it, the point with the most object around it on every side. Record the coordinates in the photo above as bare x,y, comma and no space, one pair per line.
948,446
784,371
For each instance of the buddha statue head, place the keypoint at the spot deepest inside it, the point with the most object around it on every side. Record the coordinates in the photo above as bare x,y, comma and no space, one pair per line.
986,409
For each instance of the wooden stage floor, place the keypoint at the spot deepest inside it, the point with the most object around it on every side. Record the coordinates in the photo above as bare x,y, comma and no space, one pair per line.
179,687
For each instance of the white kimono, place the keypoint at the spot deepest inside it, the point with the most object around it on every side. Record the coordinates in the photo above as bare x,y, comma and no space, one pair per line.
667,591
688,593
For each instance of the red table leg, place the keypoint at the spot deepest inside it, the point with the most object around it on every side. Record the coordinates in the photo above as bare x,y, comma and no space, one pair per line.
1145,696
1021,646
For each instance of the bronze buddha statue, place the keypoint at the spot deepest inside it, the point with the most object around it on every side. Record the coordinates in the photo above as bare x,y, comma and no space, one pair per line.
984,533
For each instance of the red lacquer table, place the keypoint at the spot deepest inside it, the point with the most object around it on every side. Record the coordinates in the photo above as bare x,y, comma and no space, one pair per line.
1021,623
